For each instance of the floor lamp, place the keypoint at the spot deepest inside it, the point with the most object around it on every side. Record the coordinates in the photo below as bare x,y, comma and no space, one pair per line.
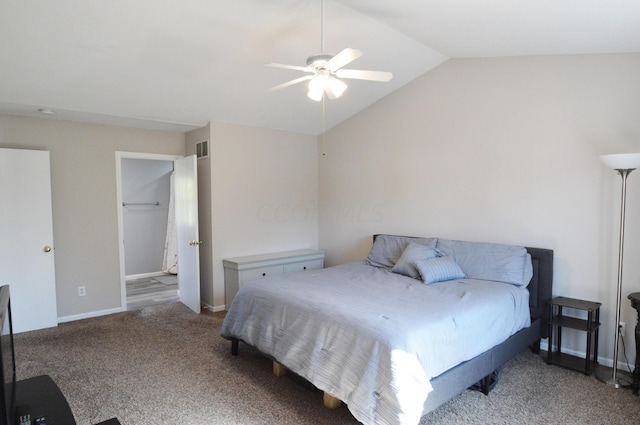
623,164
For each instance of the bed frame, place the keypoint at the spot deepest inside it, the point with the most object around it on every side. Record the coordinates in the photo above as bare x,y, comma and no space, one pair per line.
480,372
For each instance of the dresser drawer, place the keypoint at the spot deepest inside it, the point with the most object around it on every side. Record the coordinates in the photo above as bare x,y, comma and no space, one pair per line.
303,265
239,270
259,272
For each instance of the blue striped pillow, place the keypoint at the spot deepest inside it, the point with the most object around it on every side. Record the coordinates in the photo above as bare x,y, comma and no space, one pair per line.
438,269
412,253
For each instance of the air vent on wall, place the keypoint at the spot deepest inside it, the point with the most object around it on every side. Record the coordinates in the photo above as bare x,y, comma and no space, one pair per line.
202,149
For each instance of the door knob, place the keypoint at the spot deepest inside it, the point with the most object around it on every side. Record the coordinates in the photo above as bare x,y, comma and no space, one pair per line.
47,248
193,243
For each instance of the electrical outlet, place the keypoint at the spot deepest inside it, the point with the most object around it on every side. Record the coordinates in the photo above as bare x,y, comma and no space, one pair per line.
82,291
623,327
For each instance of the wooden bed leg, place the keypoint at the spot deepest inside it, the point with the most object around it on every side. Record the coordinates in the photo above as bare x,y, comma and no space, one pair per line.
331,402
234,347
279,370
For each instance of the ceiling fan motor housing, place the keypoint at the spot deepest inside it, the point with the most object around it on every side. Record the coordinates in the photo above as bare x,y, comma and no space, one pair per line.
319,60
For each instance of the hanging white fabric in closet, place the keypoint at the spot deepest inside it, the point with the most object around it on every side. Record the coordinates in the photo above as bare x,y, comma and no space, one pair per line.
170,262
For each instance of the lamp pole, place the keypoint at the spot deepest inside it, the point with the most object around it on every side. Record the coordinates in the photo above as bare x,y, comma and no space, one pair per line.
624,173
624,164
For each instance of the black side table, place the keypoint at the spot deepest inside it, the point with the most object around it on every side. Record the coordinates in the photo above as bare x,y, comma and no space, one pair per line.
558,320
635,303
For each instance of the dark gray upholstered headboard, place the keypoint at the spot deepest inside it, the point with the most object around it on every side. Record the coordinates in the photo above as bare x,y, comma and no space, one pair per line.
541,284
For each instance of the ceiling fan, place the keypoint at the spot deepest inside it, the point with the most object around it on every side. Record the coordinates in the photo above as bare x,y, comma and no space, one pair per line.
326,71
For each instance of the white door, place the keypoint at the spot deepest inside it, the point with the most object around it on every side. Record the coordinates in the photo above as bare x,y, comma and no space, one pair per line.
26,238
186,208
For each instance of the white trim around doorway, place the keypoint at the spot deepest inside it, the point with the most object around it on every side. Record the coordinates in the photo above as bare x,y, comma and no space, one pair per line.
120,155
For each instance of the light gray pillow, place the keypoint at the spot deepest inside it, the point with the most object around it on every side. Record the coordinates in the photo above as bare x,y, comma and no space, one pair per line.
387,249
412,253
528,270
438,269
488,261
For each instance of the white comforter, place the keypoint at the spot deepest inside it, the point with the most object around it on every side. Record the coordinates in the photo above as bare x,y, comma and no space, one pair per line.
373,338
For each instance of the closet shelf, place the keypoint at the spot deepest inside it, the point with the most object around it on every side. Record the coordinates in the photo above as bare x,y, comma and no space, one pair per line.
125,204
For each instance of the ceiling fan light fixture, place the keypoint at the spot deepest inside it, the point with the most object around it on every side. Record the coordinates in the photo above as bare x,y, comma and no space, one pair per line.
327,71
335,87
316,87
325,82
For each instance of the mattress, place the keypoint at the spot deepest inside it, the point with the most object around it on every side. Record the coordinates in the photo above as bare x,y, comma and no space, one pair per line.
373,338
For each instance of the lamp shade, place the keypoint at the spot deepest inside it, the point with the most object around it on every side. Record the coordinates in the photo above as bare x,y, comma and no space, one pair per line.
621,161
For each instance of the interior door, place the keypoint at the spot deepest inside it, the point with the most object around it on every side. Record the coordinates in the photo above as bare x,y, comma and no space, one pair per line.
26,238
186,209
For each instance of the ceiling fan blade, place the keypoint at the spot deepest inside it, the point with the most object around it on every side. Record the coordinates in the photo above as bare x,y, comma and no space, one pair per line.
344,57
357,74
290,83
283,66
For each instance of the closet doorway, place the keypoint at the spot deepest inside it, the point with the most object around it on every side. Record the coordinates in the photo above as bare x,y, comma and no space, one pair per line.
149,229
150,257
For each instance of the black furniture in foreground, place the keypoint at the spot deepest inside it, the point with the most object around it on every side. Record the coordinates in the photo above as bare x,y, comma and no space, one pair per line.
112,421
557,320
41,397
635,303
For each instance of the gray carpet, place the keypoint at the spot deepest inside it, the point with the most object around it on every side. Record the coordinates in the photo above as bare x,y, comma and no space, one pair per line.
166,365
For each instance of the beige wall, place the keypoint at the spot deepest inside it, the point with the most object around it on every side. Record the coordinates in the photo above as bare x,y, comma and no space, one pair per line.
257,193
83,181
264,187
503,150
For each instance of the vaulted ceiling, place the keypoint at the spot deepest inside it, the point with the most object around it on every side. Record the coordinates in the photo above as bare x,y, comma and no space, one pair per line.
175,65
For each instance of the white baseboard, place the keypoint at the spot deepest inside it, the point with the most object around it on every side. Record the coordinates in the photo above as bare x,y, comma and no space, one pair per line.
622,365
213,308
145,275
89,315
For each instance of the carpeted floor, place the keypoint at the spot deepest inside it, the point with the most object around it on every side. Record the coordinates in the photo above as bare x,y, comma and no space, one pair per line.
166,365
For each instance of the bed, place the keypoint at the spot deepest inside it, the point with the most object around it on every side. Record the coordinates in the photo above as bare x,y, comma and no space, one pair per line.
402,332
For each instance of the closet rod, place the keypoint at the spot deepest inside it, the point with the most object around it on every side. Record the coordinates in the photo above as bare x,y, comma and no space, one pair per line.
124,204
